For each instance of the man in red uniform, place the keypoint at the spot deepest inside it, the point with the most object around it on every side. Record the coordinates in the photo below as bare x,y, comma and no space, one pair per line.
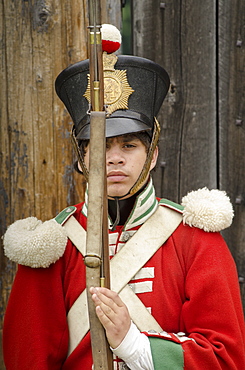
191,317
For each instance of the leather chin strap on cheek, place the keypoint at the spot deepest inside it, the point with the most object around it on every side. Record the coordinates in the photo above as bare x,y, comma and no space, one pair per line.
80,156
145,171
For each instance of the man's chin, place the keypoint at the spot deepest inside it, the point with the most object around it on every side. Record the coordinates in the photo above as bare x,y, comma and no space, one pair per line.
122,194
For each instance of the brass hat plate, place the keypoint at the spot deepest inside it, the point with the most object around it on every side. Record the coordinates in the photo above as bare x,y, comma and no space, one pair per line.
116,87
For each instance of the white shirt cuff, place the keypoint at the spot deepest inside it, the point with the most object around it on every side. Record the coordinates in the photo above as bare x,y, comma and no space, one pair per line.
135,350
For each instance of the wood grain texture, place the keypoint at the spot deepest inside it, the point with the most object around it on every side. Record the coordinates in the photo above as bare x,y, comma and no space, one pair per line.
181,37
231,123
38,39
201,45
202,143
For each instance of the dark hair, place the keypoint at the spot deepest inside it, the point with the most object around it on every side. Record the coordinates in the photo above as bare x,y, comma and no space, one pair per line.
142,136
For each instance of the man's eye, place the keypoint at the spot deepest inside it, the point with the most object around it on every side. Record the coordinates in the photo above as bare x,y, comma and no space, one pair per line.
129,146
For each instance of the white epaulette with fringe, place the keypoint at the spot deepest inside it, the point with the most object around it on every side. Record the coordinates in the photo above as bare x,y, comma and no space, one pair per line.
36,244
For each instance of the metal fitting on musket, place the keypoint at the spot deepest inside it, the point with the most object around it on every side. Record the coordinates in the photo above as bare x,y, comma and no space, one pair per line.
95,43
92,260
95,57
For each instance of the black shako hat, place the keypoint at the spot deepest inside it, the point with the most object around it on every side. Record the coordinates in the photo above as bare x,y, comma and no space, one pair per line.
134,93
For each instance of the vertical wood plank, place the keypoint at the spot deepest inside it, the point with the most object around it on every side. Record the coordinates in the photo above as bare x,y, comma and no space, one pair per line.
149,41
111,12
36,153
180,35
232,123
199,137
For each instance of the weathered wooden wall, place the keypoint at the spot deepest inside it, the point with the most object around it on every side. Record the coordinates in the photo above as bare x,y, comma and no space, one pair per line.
181,36
37,40
231,122
202,46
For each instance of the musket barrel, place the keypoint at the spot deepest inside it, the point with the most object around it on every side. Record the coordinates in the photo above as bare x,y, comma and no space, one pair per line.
97,252
102,356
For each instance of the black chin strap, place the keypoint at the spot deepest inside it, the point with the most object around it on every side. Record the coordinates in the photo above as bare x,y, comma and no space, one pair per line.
119,209
118,215
117,219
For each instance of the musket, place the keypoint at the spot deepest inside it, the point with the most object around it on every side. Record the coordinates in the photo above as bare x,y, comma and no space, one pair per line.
97,252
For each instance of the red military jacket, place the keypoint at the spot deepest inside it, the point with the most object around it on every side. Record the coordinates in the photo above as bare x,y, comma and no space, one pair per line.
190,286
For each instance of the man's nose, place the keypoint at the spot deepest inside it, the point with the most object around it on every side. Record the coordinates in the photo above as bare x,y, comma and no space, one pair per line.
114,156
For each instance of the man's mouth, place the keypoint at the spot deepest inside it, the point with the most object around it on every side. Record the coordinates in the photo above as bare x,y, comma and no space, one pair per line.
116,176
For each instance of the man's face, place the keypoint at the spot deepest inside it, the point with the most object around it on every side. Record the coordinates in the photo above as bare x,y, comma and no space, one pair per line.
125,158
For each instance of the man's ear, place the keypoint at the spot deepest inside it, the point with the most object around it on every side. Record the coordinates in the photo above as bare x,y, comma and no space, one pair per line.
154,158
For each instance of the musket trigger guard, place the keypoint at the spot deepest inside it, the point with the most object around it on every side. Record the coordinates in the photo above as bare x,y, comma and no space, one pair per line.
92,260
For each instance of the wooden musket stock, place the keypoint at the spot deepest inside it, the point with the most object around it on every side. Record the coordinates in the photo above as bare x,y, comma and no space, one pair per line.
97,253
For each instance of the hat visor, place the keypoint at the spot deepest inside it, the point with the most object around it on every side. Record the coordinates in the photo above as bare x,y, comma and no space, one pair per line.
116,126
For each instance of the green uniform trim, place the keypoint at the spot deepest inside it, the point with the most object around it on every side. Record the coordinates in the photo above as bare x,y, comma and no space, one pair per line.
166,355
63,216
177,207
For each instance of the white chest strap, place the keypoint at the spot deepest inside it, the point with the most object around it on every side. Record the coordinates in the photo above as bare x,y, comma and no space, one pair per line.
134,254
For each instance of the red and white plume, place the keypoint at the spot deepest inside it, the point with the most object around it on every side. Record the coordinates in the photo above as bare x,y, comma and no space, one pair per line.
111,38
